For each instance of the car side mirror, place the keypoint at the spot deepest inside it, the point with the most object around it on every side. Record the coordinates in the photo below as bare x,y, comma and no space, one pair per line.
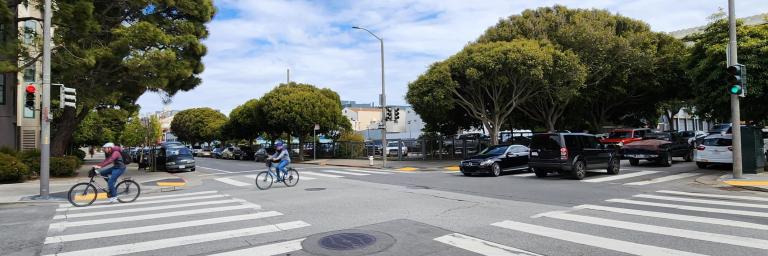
510,154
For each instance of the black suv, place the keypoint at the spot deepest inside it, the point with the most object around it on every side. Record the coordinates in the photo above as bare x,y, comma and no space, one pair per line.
573,153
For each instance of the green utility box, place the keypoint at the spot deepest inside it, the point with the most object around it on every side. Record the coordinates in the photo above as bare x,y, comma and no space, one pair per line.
752,150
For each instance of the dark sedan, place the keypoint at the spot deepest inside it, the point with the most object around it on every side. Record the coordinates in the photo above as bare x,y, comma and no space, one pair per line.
496,159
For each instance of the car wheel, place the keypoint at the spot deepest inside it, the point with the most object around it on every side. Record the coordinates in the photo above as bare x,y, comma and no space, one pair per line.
666,159
579,170
689,156
495,170
192,170
541,173
466,174
614,166
634,162
701,165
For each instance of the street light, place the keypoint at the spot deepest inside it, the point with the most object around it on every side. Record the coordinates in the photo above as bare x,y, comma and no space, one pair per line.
382,99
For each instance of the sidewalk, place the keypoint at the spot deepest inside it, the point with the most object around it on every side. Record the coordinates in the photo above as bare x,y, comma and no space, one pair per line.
758,182
58,187
431,165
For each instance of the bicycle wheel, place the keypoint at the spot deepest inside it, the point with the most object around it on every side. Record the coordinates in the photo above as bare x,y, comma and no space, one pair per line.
291,178
82,194
264,180
127,191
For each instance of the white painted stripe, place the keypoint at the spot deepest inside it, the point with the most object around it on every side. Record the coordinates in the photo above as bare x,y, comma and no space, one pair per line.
266,250
213,169
691,208
659,230
702,201
319,174
65,224
524,175
149,198
590,240
233,182
663,179
371,172
145,209
749,198
451,171
153,228
184,240
300,177
672,216
621,176
480,246
141,202
348,173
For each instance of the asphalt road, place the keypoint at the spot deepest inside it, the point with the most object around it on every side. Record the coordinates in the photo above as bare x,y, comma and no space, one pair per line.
645,210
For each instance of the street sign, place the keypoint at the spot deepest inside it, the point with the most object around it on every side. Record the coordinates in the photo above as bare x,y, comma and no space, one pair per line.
317,127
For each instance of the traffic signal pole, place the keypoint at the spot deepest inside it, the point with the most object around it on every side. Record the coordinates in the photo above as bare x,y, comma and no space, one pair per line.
45,118
735,109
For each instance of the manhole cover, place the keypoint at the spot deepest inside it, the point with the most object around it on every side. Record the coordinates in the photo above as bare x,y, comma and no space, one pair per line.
314,189
347,241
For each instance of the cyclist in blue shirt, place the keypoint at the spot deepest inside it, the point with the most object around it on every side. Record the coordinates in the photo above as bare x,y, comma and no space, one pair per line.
281,155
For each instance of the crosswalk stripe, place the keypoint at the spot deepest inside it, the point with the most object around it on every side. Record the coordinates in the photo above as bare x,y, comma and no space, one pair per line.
748,198
371,172
148,198
524,175
266,250
691,208
663,179
141,202
145,209
152,228
66,224
590,240
184,240
702,201
659,230
480,246
320,174
672,216
300,177
233,182
348,173
620,176
207,168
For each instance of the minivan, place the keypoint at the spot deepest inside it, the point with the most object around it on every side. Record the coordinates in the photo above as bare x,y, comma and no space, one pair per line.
571,153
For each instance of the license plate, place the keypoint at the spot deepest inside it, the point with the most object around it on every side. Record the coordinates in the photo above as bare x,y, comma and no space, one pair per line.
182,166
534,153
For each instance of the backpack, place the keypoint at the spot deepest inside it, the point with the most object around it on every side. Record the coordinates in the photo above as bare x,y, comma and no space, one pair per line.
126,157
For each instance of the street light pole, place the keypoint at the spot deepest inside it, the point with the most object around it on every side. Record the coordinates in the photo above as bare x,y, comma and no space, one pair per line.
383,100
45,118
735,109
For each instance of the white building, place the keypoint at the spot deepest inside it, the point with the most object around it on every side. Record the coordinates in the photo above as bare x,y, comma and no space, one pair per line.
367,120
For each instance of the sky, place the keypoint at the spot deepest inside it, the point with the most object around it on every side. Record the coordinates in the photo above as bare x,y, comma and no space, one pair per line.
252,43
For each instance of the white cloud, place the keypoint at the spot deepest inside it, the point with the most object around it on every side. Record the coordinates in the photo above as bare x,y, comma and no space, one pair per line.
250,50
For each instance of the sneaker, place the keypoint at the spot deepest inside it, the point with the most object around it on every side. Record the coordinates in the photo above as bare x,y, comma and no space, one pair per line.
113,200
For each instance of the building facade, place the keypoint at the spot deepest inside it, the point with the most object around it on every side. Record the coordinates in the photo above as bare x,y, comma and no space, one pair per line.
367,120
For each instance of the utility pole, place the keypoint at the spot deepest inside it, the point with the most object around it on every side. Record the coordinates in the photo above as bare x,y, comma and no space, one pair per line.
383,101
288,76
45,115
735,109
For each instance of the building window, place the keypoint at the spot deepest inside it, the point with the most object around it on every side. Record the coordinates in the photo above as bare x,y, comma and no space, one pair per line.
30,29
30,74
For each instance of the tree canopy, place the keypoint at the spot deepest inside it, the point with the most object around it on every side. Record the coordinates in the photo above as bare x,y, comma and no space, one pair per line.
198,125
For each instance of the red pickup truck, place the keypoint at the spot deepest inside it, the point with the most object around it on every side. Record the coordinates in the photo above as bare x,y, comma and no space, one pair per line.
621,137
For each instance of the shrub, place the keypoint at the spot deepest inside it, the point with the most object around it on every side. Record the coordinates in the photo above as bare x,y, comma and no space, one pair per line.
31,158
78,162
11,169
79,153
9,151
64,166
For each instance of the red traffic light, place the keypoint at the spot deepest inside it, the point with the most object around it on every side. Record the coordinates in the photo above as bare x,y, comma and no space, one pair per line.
31,88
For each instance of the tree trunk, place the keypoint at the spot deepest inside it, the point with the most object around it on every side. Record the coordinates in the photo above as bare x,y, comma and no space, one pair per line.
550,125
65,128
301,149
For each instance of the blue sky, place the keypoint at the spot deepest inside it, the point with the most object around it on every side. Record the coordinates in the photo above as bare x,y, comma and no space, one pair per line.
253,42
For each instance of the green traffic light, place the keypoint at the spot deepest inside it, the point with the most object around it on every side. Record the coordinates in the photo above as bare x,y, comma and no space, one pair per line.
735,89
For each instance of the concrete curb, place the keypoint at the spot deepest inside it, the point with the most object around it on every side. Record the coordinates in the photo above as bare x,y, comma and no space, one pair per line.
722,181
379,168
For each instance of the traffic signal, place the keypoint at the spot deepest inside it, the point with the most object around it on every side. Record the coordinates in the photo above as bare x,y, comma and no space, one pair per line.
736,79
388,114
68,97
397,114
29,98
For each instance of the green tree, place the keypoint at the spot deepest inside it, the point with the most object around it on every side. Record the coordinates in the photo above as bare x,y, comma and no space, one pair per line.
430,97
112,52
134,133
198,125
707,63
101,126
295,108
245,121
155,129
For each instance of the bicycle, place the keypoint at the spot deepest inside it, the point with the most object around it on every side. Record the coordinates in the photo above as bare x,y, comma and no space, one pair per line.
265,179
85,193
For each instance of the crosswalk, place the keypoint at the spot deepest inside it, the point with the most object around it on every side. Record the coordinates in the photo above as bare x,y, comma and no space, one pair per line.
164,224
628,177
693,224
305,175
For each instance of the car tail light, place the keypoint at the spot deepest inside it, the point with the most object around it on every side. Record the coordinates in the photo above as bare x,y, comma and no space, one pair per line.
563,153
730,148
700,148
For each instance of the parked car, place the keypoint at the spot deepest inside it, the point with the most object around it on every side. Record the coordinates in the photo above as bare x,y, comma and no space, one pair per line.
228,153
572,153
469,142
715,149
496,159
659,147
216,153
260,155
174,158
206,151
393,146
197,150
245,153
622,137
720,129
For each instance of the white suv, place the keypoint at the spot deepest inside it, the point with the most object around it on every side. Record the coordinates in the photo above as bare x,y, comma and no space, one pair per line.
715,149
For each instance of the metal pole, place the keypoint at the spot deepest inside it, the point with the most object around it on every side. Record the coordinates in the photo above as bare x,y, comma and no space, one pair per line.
314,144
735,110
383,108
45,121
288,76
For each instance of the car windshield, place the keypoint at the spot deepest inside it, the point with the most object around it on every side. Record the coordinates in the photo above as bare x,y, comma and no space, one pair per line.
620,135
495,150
178,152
720,142
392,144
546,142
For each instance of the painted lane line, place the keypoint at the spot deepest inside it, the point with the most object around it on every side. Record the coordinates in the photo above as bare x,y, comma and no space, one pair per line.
663,179
371,172
480,246
145,209
233,182
214,174
347,173
748,198
145,203
153,228
590,240
691,208
702,201
66,224
184,240
619,177
300,177
320,174
672,216
659,230
213,169
149,198
267,250
524,175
